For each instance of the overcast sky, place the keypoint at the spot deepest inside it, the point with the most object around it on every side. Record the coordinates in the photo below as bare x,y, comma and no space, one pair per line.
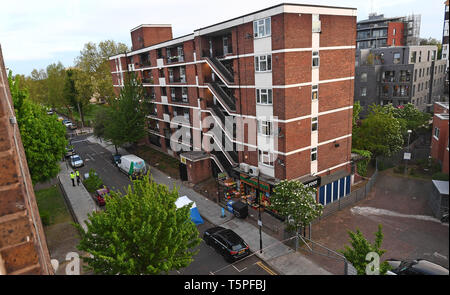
34,34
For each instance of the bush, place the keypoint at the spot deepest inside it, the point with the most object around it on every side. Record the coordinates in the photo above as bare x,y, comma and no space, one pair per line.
399,169
440,176
93,182
45,218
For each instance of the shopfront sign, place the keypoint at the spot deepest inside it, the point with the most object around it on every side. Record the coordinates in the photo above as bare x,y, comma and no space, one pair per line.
313,183
254,183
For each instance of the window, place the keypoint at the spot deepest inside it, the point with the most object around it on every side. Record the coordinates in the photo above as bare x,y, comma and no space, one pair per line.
315,92
266,158
363,77
161,73
413,57
265,127
393,32
316,23
363,91
314,124
263,63
393,42
436,132
415,75
261,28
396,58
163,91
264,96
428,56
420,56
315,58
314,154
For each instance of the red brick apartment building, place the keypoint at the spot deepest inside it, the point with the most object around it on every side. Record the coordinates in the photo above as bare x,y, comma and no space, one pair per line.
439,140
288,68
23,247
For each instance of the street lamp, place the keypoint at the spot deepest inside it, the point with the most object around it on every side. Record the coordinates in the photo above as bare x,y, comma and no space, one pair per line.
259,216
407,155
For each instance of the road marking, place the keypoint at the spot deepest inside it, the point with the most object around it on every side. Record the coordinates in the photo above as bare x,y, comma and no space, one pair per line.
77,141
436,254
238,269
266,268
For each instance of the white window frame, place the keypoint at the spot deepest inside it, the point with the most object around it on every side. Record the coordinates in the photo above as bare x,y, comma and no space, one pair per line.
314,124
263,59
262,28
264,92
363,93
314,152
265,128
266,158
316,24
315,56
315,90
436,133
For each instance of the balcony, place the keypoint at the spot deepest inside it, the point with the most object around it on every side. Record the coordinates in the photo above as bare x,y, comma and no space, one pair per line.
181,79
175,59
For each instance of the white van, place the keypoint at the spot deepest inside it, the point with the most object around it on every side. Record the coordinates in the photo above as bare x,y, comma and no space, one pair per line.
132,165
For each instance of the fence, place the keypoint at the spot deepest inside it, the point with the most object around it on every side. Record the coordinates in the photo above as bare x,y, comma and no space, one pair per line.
355,196
419,149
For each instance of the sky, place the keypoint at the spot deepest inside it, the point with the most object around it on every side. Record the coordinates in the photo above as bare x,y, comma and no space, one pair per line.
34,34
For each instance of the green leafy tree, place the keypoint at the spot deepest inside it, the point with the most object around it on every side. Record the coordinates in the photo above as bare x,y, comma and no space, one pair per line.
126,119
296,202
56,74
380,133
94,60
70,92
360,247
362,164
141,232
43,137
356,112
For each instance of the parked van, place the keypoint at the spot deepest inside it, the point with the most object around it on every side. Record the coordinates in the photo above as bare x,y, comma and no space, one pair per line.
132,165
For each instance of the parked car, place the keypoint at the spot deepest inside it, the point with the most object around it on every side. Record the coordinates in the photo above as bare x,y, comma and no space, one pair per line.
60,119
76,161
67,123
70,151
225,241
132,166
99,196
115,158
72,126
416,267
50,112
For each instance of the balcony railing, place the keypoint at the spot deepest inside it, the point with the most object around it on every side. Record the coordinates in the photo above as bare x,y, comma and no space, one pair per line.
181,79
174,59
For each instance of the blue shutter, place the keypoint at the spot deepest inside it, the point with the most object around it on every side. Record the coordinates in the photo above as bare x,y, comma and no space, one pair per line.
347,185
322,195
335,190
328,193
342,187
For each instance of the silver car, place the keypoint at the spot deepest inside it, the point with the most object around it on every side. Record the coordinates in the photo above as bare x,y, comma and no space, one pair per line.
76,161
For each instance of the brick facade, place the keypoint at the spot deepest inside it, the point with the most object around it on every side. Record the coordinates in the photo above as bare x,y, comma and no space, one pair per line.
23,247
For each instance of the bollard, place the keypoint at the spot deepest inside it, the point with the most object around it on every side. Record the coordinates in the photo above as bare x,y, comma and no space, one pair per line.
223,213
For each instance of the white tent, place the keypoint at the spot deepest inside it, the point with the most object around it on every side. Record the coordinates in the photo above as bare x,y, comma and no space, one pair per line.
195,215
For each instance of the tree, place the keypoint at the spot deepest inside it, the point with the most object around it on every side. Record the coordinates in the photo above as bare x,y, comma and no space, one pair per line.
141,232
432,41
69,91
357,254
380,133
126,120
43,137
297,203
56,74
93,59
356,112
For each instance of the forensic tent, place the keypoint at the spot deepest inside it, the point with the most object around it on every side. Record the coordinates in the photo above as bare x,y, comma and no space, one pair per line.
195,215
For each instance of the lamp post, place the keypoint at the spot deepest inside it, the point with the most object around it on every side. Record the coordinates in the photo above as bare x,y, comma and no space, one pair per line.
409,155
259,216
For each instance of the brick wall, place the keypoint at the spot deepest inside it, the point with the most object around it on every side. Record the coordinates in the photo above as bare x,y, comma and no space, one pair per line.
23,248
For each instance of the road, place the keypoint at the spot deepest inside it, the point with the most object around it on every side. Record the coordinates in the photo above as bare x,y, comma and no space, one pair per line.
207,261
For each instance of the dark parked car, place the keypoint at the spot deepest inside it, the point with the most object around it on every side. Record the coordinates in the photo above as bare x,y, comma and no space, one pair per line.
115,158
225,241
416,267
99,196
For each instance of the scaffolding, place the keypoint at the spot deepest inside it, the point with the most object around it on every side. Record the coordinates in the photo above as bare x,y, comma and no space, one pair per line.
412,32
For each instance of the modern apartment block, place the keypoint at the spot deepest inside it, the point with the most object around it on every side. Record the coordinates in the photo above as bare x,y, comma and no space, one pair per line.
284,74
439,140
399,75
379,31
445,32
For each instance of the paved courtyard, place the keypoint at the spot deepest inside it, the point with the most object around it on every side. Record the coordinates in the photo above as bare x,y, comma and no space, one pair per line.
400,205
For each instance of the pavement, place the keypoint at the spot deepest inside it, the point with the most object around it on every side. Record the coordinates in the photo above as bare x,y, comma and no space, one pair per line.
277,255
81,202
